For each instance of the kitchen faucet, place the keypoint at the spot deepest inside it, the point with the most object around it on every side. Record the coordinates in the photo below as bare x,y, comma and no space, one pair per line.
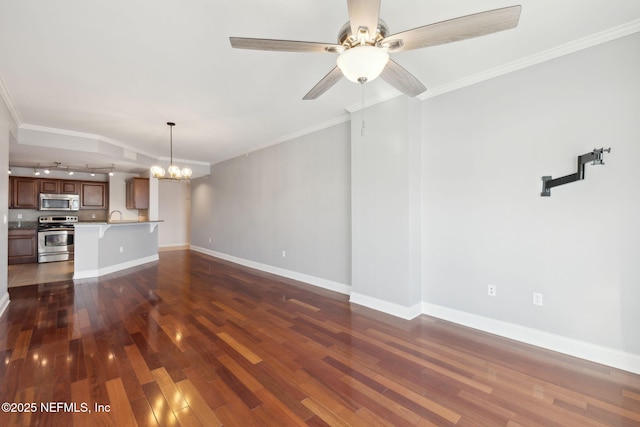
112,212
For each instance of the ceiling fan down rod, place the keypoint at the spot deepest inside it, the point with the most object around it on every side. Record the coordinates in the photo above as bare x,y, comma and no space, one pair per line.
594,156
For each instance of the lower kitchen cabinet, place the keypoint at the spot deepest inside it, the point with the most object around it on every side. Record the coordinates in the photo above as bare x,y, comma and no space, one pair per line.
23,246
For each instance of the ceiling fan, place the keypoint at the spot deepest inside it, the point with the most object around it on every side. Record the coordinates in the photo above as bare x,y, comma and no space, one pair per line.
364,44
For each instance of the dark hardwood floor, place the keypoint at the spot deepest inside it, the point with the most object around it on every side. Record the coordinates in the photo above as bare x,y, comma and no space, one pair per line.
191,340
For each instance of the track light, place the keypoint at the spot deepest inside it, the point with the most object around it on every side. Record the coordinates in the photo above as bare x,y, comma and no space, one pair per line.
38,168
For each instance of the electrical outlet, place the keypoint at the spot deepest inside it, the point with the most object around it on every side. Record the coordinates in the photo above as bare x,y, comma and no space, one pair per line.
537,299
209,239
284,254
19,216
491,290
121,249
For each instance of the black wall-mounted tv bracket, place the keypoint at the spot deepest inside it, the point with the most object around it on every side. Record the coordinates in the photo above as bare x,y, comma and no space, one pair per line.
595,157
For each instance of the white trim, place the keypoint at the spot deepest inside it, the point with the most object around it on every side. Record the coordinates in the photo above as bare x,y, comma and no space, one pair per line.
174,247
128,150
582,349
87,274
4,303
391,308
8,101
390,94
547,55
311,280
285,138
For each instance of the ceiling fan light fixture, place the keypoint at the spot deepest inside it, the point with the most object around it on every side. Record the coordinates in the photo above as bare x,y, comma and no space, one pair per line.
362,64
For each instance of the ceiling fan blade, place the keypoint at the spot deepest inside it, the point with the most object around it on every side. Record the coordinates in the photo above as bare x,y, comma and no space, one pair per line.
283,45
453,30
401,79
364,14
325,84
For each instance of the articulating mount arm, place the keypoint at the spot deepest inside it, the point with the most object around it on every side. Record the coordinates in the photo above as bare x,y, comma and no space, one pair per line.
595,157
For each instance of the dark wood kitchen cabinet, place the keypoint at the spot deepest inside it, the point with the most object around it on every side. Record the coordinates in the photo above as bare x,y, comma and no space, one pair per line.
94,195
23,192
49,186
137,193
58,186
69,187
23,246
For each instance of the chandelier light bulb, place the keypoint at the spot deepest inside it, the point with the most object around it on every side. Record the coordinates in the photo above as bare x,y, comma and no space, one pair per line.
157,171
174,171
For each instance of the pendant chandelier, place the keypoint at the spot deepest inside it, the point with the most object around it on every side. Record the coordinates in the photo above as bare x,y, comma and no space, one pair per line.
174,171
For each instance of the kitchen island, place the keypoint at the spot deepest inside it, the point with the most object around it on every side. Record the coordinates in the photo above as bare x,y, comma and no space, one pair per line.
106,247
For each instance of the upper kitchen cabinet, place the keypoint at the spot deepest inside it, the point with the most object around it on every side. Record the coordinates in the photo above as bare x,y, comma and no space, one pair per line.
57,186
137,193
23,192
69,187
94,195
49,186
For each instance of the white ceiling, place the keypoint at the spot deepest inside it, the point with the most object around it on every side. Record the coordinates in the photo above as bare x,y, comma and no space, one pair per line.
116,71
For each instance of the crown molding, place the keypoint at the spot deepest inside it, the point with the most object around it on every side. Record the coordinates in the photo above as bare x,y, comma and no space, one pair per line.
128,150
84,135
8,100
369,102
288,137
547,55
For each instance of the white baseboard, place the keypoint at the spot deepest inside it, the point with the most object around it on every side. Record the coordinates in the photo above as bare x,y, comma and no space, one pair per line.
393,309
595,353
582,349
87,274
176,247
4,303
311,280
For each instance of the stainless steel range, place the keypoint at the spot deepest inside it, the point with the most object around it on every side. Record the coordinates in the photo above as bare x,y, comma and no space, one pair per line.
55,238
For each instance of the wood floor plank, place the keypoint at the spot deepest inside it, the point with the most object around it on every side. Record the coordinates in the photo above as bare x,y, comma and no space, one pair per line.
159,405
140,368
120,407
240,348
194,340
197,404
326,414
169,389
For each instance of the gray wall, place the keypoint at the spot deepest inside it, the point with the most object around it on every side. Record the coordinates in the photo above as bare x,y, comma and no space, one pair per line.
485,149
174,208
291,197
136,240
385,170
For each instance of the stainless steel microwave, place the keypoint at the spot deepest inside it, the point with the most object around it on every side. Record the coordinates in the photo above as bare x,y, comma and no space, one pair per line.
59,202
